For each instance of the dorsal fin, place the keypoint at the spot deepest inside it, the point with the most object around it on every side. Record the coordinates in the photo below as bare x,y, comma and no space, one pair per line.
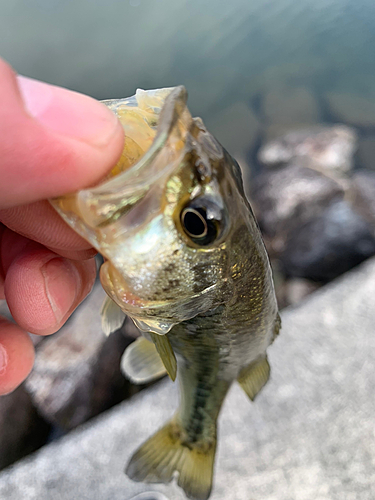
141,362
112,316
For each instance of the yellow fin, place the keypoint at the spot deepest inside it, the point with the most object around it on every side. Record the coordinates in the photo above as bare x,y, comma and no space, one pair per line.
112,316
164,453
164,348
252,378
141,362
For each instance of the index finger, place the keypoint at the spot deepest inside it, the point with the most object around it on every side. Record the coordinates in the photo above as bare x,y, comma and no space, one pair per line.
52,141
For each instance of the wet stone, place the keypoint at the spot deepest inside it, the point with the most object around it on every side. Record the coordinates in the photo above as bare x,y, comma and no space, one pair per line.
366,152
297,289
326,149
286,198
363,194
328,245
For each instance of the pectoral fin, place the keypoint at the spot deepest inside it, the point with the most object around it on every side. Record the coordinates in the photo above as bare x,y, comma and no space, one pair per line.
112,316
164,348
141,362
253,377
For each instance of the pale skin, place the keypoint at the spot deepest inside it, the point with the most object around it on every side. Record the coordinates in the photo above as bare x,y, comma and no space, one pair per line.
52,142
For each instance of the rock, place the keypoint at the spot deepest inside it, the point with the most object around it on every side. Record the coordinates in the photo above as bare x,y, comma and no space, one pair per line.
326,149
366,152
290,106
352,109
363,194
309,435
77,374
236,128
22,429
290,292
297,289
328,245
286,198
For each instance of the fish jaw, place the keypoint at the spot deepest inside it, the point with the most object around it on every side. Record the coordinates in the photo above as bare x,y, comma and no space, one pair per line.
152,315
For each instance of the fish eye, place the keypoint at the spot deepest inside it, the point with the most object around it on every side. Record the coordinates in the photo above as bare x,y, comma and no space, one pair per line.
200,227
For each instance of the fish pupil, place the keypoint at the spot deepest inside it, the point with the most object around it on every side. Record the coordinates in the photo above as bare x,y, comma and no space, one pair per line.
197,226
194,222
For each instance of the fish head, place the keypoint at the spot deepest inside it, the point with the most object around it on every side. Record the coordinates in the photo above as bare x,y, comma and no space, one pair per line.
164,216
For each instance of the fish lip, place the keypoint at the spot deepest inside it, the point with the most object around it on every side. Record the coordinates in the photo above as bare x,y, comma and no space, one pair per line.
167,120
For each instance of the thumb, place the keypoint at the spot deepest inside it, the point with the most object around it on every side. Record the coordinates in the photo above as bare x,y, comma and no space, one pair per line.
52,140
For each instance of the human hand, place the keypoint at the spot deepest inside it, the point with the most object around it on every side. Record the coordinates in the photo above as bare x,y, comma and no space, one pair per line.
52,142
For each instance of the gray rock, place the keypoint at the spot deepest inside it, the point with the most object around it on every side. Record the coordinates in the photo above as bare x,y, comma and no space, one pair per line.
290,291
308,436
366,152
286,198
328,245
326,149
297,289
77,374
363,194
353,109
22,430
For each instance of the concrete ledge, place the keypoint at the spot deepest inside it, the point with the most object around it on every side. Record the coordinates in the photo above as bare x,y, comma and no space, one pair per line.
309,435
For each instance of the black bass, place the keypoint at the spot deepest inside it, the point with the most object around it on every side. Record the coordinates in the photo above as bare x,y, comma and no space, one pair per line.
186,261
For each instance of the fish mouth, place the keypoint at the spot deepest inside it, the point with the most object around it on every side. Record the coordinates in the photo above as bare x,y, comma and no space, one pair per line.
129,182
156,124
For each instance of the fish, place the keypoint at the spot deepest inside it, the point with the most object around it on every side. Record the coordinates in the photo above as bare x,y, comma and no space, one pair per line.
184,258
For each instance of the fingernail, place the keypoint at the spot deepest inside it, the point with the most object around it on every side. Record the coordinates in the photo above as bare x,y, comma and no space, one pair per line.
68,113
3,359
63,283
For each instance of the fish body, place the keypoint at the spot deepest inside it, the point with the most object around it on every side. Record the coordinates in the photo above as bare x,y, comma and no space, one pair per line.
186,261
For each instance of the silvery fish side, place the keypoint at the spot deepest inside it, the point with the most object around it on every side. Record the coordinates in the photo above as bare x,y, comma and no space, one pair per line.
184,259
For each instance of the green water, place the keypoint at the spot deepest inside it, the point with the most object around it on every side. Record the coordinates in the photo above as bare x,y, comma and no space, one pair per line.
227,53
